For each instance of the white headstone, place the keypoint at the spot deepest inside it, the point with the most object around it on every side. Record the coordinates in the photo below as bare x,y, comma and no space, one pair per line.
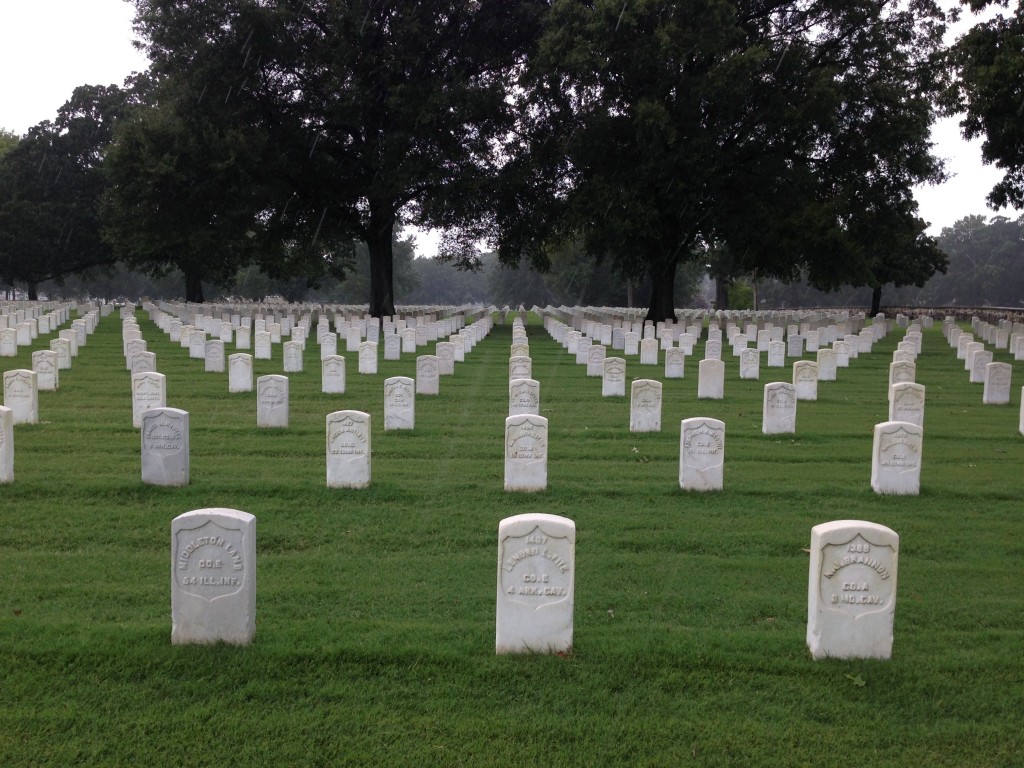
332,375
827,364
805,379
526,453
711,379
750,364
851,592
701,454
213,577
523,397
645,406
896,458
272,401
293,357
392,346
149,390
44,363
240,372
165,446
264,346
348,449
428,379
21,395
536,577
399,403
675,363
906,403
214,356
997,384
649,351
368,357
6,445
779,408
520,368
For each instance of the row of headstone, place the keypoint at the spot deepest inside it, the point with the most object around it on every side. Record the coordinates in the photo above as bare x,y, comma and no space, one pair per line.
851,594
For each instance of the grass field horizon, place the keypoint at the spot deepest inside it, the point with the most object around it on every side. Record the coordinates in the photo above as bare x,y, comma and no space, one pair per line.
375,608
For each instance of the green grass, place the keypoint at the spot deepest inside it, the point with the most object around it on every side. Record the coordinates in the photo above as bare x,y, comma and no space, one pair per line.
375,608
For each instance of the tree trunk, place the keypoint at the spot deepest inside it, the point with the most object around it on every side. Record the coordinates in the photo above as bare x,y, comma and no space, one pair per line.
722,293
193,287
876,300
33,291
663,279
379,244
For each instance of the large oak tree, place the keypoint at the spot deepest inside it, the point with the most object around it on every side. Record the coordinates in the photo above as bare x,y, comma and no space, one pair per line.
658,130
361,115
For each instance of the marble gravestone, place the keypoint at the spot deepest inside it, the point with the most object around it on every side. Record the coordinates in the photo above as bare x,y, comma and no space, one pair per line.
272,401
6,445
368,357
332,375
535,584
213,577
149,390
675,363
399,403
896,458
348,449
524,397
240,377
906,403
701,454
21,395
44,363
526,453
645,406
805,379
711,379
428,376
779,409
851,592
213,356
613,379
997,384
165,447
293,357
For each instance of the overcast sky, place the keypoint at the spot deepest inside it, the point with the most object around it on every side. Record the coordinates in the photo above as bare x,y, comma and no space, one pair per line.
48,47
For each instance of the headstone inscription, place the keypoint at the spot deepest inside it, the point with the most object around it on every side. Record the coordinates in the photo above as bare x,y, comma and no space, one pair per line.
701,454
535,584
348,449
399,403
851,592
165,447
213,577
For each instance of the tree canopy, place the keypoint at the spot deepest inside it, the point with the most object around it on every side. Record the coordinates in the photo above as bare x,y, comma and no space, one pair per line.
655,129
50,185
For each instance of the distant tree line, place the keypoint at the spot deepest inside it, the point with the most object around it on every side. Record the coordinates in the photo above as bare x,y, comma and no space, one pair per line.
604,152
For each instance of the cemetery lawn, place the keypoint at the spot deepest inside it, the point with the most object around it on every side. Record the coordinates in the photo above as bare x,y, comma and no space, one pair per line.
375,608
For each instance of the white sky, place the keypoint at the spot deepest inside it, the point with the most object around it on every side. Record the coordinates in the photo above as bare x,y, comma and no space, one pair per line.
48,47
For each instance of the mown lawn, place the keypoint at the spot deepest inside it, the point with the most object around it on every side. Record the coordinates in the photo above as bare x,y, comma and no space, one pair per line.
375,622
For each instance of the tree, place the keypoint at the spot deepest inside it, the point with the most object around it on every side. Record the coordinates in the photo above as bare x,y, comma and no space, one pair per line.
374,113
984,263
654,128
989,62
182,194
50,188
